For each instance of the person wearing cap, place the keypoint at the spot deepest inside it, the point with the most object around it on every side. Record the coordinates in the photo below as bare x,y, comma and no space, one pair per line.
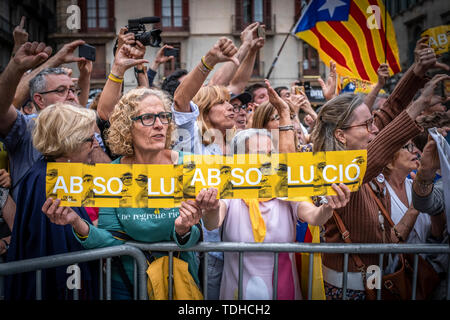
239,103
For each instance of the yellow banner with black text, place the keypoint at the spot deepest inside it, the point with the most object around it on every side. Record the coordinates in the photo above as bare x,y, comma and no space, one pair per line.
288,176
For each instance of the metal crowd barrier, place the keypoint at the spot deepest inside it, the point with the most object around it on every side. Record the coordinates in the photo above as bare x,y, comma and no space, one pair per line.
37,264
140,279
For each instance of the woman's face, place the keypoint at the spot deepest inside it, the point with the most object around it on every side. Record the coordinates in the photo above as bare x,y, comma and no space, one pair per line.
221,116
274,121
149,138
358,134
407,158
84,153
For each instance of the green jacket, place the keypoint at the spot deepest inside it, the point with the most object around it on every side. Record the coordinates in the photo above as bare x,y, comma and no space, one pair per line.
143,225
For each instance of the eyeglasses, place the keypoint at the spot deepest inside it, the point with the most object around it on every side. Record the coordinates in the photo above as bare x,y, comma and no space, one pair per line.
237,109
63,91
369,124
410,147
148,119
90,140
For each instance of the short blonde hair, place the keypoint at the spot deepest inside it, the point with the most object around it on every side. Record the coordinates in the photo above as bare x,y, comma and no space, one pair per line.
61,129
206,98
118,136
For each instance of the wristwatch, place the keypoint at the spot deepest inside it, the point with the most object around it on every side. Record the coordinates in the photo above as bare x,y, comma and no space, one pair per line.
138,71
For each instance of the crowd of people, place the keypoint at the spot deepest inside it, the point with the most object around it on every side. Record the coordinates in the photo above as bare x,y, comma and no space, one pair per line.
45,117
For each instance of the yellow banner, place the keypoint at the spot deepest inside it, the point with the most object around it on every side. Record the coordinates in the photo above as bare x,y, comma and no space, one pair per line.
439,37
290,176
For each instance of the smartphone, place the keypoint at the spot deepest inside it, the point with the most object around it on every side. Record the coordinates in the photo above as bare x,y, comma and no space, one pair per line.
86,51
299,90
261,32
171,52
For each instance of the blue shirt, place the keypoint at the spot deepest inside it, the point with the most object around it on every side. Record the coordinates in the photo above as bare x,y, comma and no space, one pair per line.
22,155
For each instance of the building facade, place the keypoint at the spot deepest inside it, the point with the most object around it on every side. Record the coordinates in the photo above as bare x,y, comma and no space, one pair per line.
193,26
411,18
40,21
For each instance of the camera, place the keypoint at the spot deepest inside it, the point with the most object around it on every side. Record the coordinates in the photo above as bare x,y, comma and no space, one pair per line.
150,38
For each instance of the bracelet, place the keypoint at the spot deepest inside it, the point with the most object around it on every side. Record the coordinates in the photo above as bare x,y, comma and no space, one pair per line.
286,128
205,65
115,78
80,236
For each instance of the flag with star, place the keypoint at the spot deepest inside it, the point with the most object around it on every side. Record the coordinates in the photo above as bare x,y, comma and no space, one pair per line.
352,33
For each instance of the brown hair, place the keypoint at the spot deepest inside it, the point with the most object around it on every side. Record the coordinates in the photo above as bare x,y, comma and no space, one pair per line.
335,114
262,117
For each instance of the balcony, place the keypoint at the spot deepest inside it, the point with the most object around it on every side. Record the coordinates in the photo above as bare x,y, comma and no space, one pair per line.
182,31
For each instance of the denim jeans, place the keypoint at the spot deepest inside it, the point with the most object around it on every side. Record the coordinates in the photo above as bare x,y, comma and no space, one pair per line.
215,268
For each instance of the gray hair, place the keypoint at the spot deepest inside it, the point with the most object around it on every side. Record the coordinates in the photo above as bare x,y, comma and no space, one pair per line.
239,141
39,83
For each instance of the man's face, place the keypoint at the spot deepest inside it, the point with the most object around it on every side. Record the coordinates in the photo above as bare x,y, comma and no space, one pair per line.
60,82
260,95
241,116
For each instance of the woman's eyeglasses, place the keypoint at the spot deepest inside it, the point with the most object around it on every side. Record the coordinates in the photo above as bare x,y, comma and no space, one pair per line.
237,109
148,119
369,124
410,147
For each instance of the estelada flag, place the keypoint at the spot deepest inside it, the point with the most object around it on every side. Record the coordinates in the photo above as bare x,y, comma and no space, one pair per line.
351,33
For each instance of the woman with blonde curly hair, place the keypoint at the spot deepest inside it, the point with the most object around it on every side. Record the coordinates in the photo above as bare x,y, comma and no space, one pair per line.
63,133
141,124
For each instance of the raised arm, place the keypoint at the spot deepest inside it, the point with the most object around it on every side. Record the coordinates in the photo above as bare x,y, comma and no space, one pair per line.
286,128
20,35
389,140
405,90
112,91
84,81
65,55
329,88
245,70
27,57
224,75
383,75
223,50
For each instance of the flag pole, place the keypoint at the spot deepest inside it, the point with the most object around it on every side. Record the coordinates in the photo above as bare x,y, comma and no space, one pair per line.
385,29
279,51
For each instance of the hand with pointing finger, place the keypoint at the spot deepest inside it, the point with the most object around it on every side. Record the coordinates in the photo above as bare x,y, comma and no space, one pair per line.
20,35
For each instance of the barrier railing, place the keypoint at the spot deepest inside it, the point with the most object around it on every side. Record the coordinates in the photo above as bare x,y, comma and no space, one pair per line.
140,280
37,264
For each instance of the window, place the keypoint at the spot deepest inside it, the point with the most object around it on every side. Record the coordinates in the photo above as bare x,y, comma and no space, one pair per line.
99,66
175,64
174,14
97,15
249,11
310,60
